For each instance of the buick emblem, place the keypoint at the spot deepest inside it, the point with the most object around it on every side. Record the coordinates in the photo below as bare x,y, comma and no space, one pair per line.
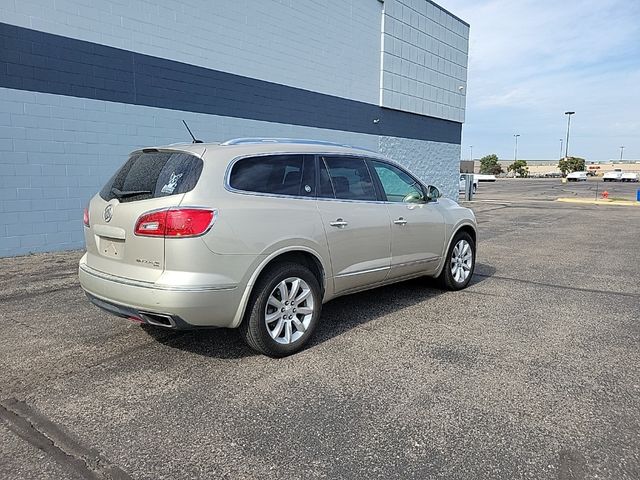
108,213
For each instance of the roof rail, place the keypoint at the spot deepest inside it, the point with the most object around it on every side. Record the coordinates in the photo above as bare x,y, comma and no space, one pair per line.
298,141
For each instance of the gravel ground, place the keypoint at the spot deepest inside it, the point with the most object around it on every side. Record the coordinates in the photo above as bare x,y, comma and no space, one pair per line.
532,372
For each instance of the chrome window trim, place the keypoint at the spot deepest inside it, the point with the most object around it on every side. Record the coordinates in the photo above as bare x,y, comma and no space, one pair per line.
365,156
368,155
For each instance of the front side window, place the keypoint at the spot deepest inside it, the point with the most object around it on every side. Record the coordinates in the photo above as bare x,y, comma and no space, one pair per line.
348,177
398,186
275,174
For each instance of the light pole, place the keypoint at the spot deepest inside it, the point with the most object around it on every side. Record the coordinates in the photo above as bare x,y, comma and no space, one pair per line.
471,152
560,148
515,153
621,150
566,145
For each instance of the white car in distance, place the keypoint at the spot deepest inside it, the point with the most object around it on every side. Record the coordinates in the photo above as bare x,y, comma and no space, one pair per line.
613,176
629,177
483,177
462,184
577,177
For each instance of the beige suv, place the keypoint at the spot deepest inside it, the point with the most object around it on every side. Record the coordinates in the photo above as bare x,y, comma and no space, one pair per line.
259,233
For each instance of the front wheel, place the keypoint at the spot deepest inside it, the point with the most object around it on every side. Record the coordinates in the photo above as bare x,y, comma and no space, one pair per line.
460,262
283,310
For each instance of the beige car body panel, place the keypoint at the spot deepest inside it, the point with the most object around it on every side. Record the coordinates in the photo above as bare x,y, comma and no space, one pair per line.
207,280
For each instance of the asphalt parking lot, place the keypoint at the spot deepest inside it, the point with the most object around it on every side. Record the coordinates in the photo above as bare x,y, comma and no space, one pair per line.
550,189
532,372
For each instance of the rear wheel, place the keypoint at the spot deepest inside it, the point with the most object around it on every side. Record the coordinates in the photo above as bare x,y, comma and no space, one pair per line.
460,263
283,310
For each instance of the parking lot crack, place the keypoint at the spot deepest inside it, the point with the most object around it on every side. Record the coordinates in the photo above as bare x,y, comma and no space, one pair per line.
37,430
562,287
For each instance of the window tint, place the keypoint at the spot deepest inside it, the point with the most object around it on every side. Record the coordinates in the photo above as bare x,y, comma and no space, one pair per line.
398,186
350,178
277,174
153,174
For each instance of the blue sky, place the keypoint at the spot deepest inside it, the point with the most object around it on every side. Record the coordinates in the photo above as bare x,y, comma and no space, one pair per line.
532,60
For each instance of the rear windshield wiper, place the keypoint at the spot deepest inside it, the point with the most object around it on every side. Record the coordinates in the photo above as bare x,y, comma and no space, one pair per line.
128,193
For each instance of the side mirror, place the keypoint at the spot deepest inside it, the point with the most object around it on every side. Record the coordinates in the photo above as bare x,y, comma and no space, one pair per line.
433,193
414,197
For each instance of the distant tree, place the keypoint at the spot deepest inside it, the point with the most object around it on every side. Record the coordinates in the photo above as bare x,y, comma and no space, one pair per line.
489,165
519,167
571,164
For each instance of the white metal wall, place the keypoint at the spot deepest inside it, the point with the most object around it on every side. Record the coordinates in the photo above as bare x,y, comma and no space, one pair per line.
424,61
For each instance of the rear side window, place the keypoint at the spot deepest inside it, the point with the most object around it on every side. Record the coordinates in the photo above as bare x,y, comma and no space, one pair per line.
275,174
153,174
349,178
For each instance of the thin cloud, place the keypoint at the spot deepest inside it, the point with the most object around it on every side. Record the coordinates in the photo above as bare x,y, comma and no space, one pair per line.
532,60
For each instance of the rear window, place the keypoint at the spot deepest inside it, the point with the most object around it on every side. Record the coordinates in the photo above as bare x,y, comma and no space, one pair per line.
153,174
275,174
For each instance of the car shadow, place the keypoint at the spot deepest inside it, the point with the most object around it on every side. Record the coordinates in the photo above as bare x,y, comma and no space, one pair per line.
338,316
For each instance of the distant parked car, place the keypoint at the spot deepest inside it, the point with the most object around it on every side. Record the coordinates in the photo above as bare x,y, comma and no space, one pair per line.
577,177
554,174
613,176
474,188
483,177
629,177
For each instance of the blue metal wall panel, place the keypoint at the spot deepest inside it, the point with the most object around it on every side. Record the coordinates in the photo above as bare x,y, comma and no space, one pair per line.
36,61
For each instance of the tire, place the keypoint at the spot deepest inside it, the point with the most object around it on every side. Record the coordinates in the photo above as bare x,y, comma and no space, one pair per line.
446,278
267,292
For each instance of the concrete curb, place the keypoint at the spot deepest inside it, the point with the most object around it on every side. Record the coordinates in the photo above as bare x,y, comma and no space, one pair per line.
628,203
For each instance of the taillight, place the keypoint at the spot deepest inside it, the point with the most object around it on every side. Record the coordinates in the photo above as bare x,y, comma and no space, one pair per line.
153,224
85,216
178,222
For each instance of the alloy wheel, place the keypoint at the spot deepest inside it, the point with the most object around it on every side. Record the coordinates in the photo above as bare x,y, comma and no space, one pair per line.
461,261
289,310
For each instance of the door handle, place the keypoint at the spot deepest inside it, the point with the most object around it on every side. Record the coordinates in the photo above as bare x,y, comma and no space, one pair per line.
339,223
400,221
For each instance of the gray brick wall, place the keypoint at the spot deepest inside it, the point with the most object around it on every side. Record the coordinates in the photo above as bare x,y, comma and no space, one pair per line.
56,152
435,163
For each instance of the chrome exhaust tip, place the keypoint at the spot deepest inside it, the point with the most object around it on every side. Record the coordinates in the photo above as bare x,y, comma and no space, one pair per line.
158,319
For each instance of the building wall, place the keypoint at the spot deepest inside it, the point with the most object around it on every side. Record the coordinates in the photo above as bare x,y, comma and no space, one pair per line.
83,83
333,44
424,60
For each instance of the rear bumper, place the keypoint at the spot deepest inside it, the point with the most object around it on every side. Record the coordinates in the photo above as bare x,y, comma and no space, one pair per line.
152,318
177,307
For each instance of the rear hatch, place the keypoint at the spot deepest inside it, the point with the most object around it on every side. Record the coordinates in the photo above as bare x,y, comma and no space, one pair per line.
151,179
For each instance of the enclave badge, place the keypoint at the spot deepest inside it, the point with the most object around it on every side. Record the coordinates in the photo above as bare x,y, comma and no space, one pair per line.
108,213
